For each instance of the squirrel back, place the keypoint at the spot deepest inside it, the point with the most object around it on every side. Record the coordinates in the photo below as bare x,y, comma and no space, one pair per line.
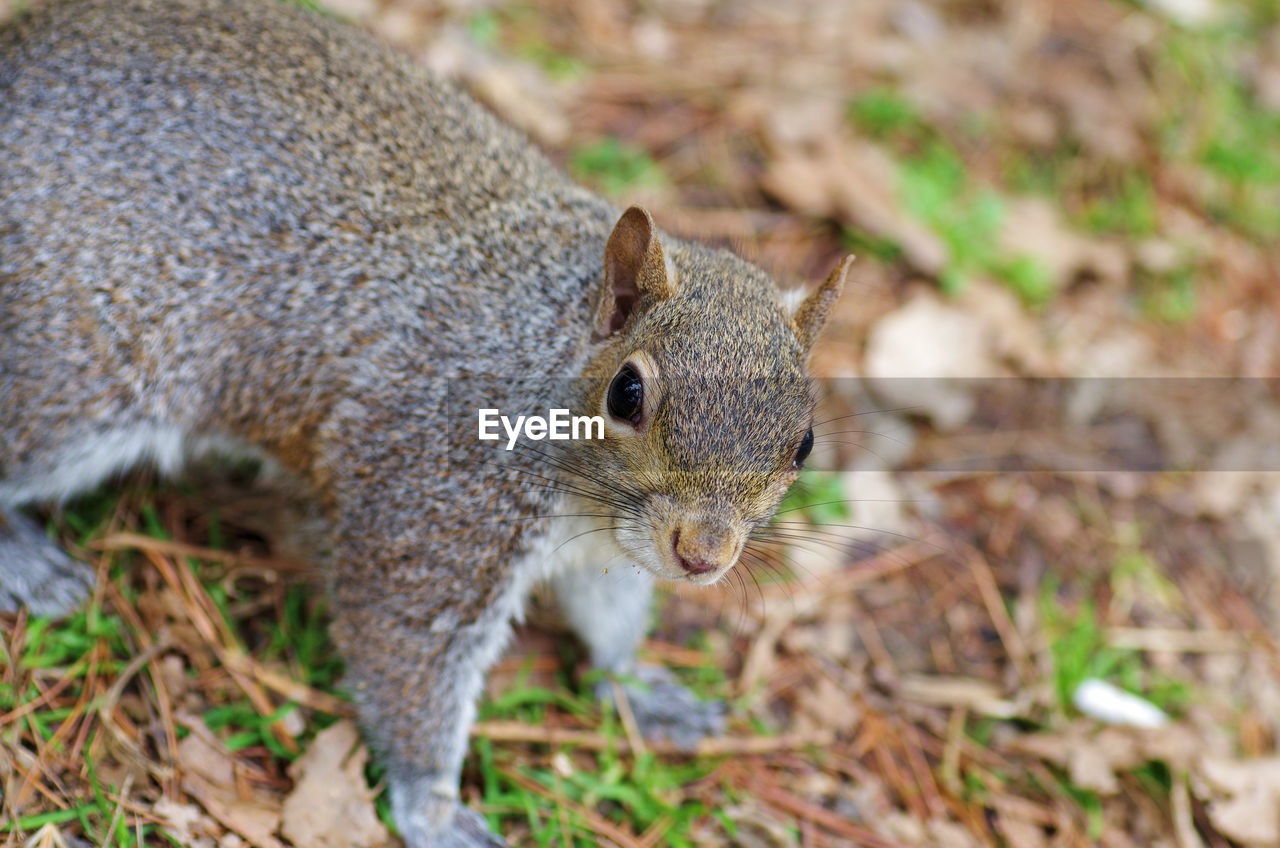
220,163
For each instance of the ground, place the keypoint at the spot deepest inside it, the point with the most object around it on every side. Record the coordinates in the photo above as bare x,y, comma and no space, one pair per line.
1077,205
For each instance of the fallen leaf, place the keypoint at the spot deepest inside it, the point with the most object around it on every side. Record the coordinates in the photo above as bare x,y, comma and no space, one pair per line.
758,827
946,834
855,182
1020,833
829,705
186,823
1033,227
920,356
956,692
331,805
208,776
1242,798
253,819
1090,769
198,755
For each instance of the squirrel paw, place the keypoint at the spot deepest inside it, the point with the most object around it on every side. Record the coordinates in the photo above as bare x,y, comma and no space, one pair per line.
667,711
35,573
418,813
469,830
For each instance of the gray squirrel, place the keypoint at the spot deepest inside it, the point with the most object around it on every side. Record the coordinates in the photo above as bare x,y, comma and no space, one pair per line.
238,222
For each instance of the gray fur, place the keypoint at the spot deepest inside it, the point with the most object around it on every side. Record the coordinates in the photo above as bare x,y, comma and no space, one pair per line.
235,222
37,573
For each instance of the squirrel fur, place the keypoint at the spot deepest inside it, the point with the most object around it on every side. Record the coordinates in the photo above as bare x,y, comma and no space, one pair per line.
238,222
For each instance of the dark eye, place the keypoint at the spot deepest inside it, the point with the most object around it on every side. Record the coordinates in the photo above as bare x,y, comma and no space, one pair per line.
626,396
806,446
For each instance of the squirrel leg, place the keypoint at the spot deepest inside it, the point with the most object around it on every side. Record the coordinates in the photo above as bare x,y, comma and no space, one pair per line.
609,612
35,573
415,693
415,678
419,614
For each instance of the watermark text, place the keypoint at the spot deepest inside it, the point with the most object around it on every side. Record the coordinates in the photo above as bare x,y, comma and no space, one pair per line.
557,425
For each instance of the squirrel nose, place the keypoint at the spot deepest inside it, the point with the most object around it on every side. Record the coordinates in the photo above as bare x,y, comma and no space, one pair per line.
702,551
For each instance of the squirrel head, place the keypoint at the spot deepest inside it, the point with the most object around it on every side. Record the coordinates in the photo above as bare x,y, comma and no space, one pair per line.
700,375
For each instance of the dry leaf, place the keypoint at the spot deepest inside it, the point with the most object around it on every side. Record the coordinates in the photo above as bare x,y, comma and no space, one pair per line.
1090,769
946,834
918,356
829,706
185,823
759,827
854,182
1016,338
208,775
331,806
1020,833
198,755
1033,227
1243,798
956,692
253,819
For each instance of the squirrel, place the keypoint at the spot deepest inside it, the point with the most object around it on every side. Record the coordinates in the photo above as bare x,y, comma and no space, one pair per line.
239,222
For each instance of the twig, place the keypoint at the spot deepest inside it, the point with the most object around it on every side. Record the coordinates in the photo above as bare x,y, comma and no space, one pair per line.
515,731
1175,641
203,613
136,541
289,688
824,818
623,706
994,602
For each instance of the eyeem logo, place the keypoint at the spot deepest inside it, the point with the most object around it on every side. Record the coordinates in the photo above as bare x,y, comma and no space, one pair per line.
559,425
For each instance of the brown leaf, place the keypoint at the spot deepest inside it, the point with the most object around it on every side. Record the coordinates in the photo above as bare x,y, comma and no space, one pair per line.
829,705
198,755
186,823
1034,227
331,806
1020,833
254,820
929,341
1090,769
209,777
1243,798
854,182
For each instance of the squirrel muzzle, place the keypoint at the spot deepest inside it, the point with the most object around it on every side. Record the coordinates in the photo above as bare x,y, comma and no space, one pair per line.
705,547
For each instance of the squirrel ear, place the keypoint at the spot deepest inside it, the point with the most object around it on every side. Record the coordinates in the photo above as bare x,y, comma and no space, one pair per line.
812,312
635,270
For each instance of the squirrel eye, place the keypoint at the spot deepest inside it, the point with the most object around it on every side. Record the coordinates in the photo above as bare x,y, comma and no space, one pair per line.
802,452
626,396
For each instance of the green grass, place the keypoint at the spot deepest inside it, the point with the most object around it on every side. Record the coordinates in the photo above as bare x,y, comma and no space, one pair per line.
884,114
818,496
484,27
1089,802
1079,650
633,791
616,167
937,187
1229,134
1125,205
520,30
